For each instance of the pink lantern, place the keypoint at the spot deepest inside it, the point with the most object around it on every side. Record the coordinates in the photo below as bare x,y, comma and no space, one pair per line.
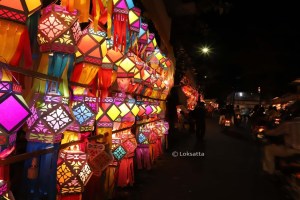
14,112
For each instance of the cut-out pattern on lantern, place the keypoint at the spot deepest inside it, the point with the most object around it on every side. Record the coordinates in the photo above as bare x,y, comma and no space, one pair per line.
99,157
84,109
73,171
50,117
18,10
58,30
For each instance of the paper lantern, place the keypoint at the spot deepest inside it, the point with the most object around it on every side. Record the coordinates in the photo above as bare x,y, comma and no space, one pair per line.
135,19
99,157
84,109
136,86
18,10
92,46
152,44
143,38
109,63
119,152
155,59
128,108
120,19
58,30
14,112
50,117
108,112
126,67
134,25
73,171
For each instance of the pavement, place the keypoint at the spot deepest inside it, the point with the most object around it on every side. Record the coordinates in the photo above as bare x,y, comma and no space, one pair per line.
223,166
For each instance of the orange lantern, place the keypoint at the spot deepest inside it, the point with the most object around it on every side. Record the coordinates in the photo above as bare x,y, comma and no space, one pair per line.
18,10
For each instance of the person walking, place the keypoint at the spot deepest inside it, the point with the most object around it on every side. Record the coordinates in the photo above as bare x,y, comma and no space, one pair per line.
199,114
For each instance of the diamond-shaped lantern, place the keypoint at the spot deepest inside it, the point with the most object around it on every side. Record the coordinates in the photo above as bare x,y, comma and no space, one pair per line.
18,10
13,111
58,30
134,25
152,44
110,62
126,67
91,46
143,38
138,74
128,108
108,112
73,171
84,109
99,157
154,60
50,117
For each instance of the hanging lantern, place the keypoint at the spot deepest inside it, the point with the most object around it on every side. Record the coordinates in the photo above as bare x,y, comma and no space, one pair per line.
128,109
155,59
136,86
110,61
18,10
92,47
118,151
127,67
14,112
84,109
125,73
143,38
108,113
73,171
147,81
50,117
99,157
120,19
134,27
58,30
152,44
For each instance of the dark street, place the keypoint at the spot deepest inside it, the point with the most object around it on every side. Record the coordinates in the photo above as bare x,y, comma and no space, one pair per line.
230,169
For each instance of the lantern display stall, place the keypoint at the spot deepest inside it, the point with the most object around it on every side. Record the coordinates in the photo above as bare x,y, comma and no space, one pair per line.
118,78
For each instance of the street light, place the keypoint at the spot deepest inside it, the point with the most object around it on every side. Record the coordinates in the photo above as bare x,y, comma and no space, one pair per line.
205,50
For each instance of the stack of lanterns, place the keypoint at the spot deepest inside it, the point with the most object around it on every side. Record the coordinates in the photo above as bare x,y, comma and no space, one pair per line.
124,58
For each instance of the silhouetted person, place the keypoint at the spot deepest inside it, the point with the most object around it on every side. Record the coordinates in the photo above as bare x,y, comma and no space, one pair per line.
199,116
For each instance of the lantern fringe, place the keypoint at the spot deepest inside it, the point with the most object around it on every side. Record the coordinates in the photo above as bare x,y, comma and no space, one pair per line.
126,172
120,31
143,157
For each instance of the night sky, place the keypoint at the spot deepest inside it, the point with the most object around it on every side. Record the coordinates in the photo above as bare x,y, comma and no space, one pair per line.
255,43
